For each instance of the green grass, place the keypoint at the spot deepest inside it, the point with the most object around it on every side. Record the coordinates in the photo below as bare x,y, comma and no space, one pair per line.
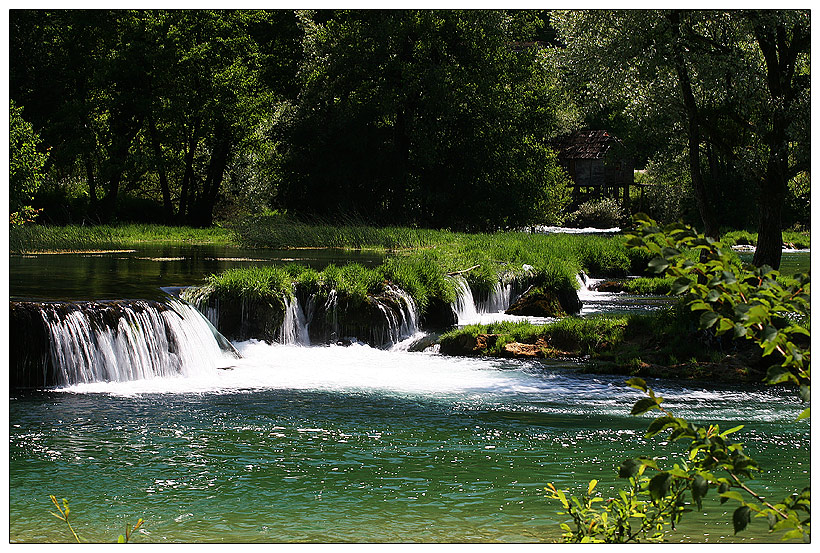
648,285
663,336
281,232
580,335
421,260
252,283
45,238
800,240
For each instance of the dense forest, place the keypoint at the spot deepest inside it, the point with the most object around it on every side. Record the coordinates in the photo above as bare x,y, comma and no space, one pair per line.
425,118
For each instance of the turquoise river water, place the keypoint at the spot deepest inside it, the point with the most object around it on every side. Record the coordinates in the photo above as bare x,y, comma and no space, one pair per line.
356,444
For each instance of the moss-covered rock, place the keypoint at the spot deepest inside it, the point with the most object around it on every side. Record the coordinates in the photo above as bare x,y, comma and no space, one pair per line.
541,302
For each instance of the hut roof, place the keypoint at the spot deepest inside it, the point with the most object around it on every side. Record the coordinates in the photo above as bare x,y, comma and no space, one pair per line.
586,144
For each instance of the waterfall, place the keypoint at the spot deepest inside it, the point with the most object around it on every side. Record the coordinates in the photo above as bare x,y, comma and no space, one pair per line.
294,328
469,311
583,281
401,315
498,300
117,341
464,305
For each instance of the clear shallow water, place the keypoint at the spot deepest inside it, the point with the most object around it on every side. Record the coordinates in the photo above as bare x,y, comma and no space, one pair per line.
330,444
791,262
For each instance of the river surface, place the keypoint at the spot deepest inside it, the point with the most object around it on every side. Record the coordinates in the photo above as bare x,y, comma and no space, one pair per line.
142,273
350,444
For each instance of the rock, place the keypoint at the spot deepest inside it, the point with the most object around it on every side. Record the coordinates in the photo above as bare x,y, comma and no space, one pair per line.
439,315
568,298
426,341
546,303
609,286
464,344
519,350
537,304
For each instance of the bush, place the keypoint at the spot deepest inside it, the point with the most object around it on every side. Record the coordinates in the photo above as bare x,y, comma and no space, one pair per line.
26,162
600,213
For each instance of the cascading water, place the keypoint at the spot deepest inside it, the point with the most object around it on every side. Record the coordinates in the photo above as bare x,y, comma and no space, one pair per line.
464,306
472,311
499,299
392,316
114,342
401,316
294,328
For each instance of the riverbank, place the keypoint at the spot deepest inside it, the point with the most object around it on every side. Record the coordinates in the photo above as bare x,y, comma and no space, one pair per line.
661,344
87,238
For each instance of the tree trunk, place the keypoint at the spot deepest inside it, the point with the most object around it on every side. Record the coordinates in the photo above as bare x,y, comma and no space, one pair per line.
702,198
92,182
220,156
781,47
769,234
185,200
167,205
123,130
773,190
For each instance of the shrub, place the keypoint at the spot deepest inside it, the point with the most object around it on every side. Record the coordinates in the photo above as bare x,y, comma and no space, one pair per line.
598,213
26,162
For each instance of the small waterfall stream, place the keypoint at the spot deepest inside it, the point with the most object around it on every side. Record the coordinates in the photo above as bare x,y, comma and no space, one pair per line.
119,341
396,319
464,305
294,328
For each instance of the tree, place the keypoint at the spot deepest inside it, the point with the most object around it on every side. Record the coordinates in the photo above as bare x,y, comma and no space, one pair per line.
746,303
729,88
780,121
419,117
81,75
26,163
154,104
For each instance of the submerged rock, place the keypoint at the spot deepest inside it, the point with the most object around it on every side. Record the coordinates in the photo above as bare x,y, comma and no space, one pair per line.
612,286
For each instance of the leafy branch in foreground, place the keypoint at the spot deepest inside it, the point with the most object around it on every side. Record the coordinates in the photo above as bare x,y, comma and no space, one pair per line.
64,511
750,303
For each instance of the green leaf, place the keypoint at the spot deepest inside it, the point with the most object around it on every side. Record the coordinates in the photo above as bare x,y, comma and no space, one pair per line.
629,468
708,318
700,486
740,330
699,305
637,383
795,534
659,485
681,285
725,325
804,415
731,494
756,313
658,264
805,393
643,405
662,423
769,333
741,518
732,430
121,539
777,374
